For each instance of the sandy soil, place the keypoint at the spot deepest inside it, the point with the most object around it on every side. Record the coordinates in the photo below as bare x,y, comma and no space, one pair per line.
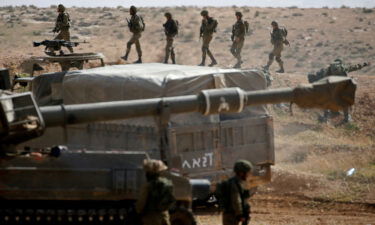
309,185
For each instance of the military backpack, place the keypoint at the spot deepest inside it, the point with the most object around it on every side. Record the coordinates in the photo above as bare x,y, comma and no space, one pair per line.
222,194
161,194
142,24
284,32
177,26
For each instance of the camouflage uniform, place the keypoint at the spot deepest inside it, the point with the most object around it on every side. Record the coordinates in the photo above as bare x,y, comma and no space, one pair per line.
151,195
239,206
238,196
170,29
338,68
277,40
136,27
62,26
238,38
206,33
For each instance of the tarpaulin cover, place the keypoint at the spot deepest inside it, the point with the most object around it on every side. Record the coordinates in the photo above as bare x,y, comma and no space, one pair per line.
152,80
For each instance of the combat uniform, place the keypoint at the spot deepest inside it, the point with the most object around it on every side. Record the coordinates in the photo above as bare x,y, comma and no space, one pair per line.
338,68
62,26
277,40
155,196
239,203
238,38
136,27
170,29
207,29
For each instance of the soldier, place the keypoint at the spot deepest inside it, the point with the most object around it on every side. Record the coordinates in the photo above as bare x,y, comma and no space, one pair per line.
238,209
278,39
156,196
207,29
136,26
337,68
238,38
62,26
171,30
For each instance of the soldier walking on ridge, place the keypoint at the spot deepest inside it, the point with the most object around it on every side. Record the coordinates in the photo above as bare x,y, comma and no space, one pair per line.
62,25
208,27
156,196
238,39
171,30
278,39
136,26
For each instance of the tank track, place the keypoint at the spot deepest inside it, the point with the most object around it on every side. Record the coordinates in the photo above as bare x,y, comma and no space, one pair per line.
65,213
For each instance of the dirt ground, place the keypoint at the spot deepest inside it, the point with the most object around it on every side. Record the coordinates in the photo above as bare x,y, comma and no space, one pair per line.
310,184
272,209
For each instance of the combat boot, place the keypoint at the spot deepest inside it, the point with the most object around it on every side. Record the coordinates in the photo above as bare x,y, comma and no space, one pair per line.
281,70
139,60
213,63
173,57
125,57
238,65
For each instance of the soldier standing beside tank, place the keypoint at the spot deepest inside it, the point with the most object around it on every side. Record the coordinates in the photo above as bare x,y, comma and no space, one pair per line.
156,196
238,39
62,26
136,26
171,30
208,27
337,68
238,209
278,39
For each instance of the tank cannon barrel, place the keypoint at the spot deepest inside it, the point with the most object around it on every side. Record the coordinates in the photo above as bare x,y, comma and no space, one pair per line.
333,93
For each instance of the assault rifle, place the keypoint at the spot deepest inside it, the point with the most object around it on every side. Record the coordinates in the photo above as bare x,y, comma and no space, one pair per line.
55,45
129,23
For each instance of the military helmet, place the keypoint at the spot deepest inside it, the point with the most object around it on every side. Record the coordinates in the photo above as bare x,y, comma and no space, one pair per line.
61,8
239,14
154,166
338,60
242,166
133,8
274,23
167,14
204,13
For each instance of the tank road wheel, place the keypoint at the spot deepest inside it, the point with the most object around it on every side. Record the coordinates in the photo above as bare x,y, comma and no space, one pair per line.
182,216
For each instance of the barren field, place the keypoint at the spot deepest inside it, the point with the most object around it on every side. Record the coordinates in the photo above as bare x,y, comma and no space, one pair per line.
310,183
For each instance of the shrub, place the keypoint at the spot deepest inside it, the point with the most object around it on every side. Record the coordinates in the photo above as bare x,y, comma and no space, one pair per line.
37,33
120,36
365,10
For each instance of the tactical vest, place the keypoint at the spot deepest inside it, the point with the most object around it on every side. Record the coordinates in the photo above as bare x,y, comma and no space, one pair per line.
160,195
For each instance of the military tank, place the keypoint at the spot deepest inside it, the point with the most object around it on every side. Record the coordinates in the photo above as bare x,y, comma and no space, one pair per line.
99,185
